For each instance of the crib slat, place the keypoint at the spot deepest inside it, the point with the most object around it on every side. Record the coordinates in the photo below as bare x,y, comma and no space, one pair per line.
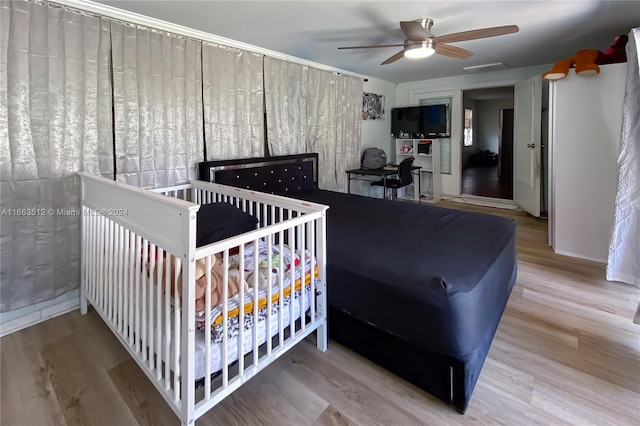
132,271
207,331
92,253
241,314
84,268
120,269
312,248
256,250
167,321
292,286
104,263
112,243
158,288
115,295
269,288
143,298
273,215
126,271
301,232
225,318
176,334
281,272
150,317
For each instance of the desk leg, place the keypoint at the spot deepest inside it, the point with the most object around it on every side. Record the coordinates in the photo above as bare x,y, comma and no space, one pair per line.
384,187
348,183
419,187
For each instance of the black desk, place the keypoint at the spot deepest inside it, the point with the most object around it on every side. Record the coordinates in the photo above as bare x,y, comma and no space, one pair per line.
382,173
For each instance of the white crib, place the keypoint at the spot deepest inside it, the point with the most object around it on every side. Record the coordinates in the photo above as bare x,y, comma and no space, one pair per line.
127,232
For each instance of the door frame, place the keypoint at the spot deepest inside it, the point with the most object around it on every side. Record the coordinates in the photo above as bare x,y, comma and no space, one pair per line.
452,184
492,85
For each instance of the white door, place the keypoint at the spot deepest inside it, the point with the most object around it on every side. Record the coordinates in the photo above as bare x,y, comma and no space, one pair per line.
526,144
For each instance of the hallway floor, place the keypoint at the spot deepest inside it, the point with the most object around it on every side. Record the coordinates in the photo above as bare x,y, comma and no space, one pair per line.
483,181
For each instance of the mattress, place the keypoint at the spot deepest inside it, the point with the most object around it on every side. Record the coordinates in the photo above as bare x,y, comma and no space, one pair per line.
217,329
434,277
247,337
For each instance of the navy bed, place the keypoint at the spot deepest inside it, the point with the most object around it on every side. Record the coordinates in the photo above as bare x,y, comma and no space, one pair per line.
418,289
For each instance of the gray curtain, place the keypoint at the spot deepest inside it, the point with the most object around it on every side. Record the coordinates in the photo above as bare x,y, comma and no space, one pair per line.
286,93
55,120
334,123
624,248
233,102
158,106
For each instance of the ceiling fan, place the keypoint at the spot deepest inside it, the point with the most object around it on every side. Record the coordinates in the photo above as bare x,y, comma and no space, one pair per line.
420,41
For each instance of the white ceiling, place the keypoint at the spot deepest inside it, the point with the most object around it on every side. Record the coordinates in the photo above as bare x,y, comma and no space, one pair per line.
312,30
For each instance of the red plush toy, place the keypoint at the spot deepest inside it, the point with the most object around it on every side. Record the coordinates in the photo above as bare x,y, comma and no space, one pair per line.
586,61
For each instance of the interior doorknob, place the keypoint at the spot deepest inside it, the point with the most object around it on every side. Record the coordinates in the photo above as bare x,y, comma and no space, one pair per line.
531,145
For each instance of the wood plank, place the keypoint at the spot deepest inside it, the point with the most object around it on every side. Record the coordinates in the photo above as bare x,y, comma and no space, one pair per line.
343,391
86,394
333,417
269,393
25,382
142,398
591,390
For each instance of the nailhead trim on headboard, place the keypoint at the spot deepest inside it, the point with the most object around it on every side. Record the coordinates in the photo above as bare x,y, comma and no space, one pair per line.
281,179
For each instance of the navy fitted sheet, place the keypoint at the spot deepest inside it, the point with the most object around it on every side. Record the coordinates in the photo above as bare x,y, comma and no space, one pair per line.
434,277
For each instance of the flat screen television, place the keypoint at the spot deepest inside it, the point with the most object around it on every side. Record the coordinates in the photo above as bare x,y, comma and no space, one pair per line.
428,121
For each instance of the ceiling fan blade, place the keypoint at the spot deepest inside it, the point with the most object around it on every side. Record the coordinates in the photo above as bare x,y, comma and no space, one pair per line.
476,34
371,47
413,30
394,58
453,51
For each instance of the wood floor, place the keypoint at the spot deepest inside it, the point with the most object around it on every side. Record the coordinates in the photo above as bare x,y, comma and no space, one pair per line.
483,181
566,352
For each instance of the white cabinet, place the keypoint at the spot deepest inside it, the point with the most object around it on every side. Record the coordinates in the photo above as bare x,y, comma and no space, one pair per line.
427,156
584,132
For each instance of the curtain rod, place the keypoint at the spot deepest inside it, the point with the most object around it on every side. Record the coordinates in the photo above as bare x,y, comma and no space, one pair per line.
158,24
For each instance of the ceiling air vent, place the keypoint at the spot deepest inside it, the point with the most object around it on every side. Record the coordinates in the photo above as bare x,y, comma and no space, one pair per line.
486,67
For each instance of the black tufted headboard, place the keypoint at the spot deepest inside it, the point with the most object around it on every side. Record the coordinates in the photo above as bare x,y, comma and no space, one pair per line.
282,175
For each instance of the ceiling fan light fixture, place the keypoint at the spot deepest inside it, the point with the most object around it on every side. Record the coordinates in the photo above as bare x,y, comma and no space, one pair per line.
419,50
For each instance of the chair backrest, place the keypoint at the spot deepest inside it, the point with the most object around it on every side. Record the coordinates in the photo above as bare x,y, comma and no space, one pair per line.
404,171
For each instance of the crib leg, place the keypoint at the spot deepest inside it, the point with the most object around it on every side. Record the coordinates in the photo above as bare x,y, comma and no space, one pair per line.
322,336
83,301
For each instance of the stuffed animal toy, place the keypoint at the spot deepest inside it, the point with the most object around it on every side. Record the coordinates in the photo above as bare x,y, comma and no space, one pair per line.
217,279
586,61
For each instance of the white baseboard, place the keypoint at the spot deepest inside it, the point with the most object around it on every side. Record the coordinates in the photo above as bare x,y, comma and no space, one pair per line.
19,319
580,256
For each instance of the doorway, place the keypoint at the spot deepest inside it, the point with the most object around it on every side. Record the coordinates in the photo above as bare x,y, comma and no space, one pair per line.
487,143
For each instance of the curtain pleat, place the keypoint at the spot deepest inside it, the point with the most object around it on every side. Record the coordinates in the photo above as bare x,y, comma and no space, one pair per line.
286,93
53,85
158,98
624,247
334,124
233,103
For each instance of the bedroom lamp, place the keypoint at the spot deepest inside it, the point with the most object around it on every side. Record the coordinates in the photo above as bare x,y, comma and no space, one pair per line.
419,50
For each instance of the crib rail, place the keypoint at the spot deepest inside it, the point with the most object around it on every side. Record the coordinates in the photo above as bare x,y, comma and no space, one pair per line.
139,255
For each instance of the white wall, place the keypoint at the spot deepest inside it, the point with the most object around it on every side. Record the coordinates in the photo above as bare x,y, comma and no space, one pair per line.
586,121
410,93
377,133
488,124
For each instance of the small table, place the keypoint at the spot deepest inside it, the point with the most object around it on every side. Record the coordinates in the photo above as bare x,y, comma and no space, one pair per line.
382,173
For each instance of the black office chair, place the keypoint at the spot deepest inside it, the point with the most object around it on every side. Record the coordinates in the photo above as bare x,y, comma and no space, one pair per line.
405,177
